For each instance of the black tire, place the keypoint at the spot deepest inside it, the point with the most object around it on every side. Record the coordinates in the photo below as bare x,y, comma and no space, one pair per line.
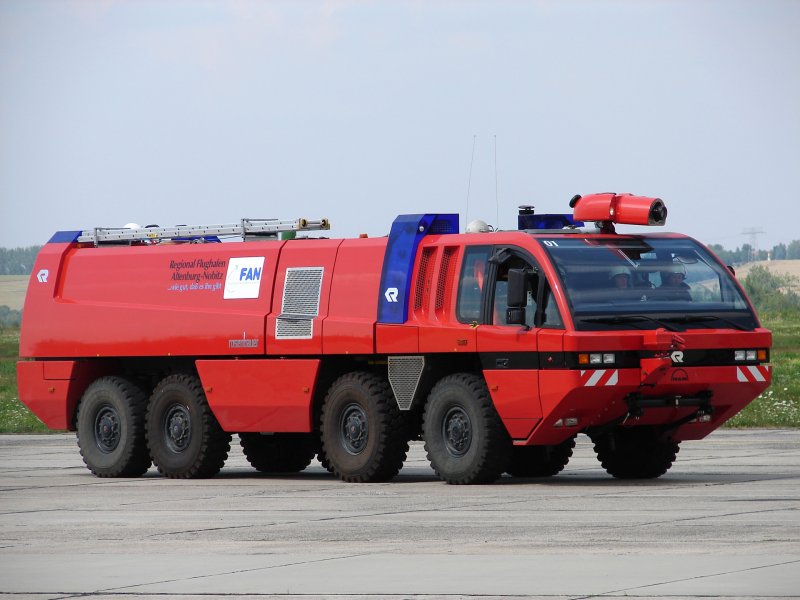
540,461
110,428
278,452
184,437
635,452
364,438
465,439
323,460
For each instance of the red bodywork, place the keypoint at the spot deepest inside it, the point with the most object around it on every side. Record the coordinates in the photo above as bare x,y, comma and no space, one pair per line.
105,309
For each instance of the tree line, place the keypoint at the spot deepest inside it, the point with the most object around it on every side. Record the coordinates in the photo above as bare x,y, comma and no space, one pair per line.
746,253
18,261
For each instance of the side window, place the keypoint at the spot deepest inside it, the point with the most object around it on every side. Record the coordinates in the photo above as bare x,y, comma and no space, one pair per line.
471,283
552,318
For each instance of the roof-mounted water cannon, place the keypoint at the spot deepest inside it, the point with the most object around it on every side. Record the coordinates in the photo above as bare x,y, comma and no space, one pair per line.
610,208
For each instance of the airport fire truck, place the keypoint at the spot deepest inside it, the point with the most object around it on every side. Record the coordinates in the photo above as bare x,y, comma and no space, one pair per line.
496,348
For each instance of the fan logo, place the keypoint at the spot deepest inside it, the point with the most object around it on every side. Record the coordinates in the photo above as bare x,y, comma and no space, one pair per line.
243,279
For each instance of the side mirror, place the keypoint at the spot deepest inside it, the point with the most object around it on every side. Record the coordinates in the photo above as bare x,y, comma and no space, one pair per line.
517,294
518,288
732,270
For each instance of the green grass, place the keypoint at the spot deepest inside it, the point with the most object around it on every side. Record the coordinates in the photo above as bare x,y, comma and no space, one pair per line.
14,416
779,406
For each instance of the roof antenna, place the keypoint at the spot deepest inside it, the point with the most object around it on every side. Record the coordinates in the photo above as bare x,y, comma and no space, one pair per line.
496,198
469,181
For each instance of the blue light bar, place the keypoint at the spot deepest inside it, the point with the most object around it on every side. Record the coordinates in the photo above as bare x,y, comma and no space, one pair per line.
398,263
552,221
64,237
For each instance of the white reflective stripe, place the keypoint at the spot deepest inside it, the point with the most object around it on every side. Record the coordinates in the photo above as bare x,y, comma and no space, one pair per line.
595,378
614,378
582,372
756,373
741,376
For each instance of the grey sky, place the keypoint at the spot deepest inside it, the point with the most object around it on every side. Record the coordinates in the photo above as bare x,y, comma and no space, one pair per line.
206,112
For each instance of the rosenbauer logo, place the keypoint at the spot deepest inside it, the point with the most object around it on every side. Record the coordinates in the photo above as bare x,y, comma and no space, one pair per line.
243,279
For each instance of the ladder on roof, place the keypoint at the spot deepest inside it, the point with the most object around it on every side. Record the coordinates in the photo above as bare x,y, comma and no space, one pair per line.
247,228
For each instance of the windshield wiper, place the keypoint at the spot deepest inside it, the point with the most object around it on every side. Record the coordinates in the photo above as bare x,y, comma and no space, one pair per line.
627,319
703,318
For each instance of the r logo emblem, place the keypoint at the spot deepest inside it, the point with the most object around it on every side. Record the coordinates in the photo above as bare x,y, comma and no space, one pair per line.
677,356
43,275
391,294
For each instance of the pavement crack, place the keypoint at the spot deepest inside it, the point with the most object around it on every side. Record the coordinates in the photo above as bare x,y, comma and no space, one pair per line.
685,579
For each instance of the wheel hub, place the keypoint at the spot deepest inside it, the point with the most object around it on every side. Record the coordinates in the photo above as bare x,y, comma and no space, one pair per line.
457,432
353,429
107,432
177,428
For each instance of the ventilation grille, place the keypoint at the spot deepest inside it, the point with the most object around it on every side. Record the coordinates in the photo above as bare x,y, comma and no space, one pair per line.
445,276
301,293
294,329
422,290
404,375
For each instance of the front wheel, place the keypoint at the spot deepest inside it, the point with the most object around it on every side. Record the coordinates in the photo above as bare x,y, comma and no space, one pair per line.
184,437
110,428
364,438
635,452
540,461
465,439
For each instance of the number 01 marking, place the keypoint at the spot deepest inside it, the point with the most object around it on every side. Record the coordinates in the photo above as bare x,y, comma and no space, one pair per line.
551,244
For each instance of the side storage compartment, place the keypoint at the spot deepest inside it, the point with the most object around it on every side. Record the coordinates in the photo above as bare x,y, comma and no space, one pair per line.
52,389
272,395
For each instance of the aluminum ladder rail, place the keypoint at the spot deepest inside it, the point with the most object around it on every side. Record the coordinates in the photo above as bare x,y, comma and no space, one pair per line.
198,233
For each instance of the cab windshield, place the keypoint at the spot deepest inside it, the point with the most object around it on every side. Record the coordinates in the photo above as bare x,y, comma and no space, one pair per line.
646,283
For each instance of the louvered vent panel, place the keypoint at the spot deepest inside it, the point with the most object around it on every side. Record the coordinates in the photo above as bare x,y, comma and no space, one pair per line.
404,374
423,277
445,276
301,291
297,329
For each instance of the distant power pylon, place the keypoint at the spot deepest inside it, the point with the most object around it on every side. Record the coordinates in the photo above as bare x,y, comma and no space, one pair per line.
753,232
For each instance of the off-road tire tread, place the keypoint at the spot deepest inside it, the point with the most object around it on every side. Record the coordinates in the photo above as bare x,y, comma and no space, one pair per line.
635,453
540,461
135,460
215,443
389,425
495,453
277,453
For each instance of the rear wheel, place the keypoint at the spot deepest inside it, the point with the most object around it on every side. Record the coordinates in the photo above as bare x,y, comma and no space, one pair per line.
184,437
635,452
110,428
278,452
540,461
465,439
364,437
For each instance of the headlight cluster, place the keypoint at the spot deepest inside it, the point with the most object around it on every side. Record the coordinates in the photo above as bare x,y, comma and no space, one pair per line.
749,355
597,358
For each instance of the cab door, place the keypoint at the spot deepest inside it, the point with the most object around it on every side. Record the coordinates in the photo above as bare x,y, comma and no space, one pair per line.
508,347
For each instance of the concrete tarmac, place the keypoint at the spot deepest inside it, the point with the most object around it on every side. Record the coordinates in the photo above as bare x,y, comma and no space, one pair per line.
723,523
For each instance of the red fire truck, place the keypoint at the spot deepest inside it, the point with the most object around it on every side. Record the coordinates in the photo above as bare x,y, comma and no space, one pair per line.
496,348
